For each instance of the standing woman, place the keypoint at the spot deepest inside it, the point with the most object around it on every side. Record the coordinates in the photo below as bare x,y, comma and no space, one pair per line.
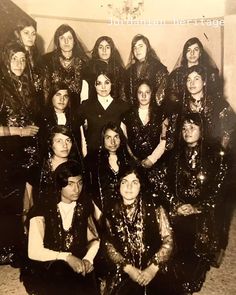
139,240
144,64
18,141
100,110
26,34
193,54
106,57
196,175
145,126
65,64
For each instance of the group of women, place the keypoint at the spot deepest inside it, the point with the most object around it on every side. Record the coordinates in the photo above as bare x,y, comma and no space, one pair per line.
153,148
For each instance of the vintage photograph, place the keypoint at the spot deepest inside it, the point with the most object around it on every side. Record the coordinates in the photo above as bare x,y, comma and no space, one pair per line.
117,147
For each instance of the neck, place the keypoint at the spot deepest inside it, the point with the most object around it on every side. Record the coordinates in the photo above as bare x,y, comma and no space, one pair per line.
56,161
190,64
144,107
191,145
198,95
59,111
66,54
64,200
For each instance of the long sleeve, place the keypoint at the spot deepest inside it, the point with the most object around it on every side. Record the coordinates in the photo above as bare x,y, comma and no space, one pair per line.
93,241
36,249
163,255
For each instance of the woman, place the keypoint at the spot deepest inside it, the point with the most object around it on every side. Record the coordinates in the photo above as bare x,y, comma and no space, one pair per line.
215,111
61,147
144,64
106,57
100,110
145,126
25,34
139,240
19,145
193,54
62,239
65,64
111,159
58,112
196,174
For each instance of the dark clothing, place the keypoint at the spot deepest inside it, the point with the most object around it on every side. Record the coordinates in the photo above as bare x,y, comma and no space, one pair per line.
153,71
97,117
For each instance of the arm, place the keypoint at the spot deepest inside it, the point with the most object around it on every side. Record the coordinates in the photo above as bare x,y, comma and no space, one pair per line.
30,130
36,249
124,129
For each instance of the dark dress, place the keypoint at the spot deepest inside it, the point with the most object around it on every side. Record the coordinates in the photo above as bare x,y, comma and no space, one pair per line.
97,117
18,108
57,277
153,71
53,72
197,177
138,241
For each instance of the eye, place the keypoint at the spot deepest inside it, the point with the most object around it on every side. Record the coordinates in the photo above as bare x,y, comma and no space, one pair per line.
68,140
107,82
135,182
98,83
124,181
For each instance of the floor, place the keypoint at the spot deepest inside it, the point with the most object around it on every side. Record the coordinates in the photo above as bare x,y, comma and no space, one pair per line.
219,281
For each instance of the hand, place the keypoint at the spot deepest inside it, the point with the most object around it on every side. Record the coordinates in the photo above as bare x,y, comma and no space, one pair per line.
187,209
88,267
147,275
76,264
30,130
132,271
147,163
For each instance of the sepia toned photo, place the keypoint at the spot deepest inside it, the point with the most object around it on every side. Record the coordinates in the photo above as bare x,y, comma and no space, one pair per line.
117,147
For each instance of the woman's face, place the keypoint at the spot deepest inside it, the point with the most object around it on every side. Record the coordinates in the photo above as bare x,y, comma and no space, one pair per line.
28,36
191,133
140,50
129,188
18,63
72,190
144,95
104,50
60,100
61,145
111,141
103,85
66,42
193,54
195,83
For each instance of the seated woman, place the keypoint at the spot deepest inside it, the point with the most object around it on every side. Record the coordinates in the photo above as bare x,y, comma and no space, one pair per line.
99,110
61,147
111,159
19,145
196,175
63,239
146,128
65,64
144,64
58,112
193,54
106,57
139,241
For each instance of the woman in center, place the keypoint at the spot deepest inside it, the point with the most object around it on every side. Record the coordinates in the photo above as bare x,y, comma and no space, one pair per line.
139,240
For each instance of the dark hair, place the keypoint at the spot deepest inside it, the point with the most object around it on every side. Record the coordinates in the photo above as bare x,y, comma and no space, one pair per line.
188,43
25,22
77,48
129,169
116,128
115,57
194,118
54,89
65,170
108,75
151,54
8,51
201,70
59,129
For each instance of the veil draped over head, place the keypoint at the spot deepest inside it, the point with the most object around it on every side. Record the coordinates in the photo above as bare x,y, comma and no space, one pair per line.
78,49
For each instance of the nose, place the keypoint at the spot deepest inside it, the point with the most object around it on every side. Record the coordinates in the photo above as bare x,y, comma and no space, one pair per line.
66,41
143,95
112,140
103,86
104,49
129,186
